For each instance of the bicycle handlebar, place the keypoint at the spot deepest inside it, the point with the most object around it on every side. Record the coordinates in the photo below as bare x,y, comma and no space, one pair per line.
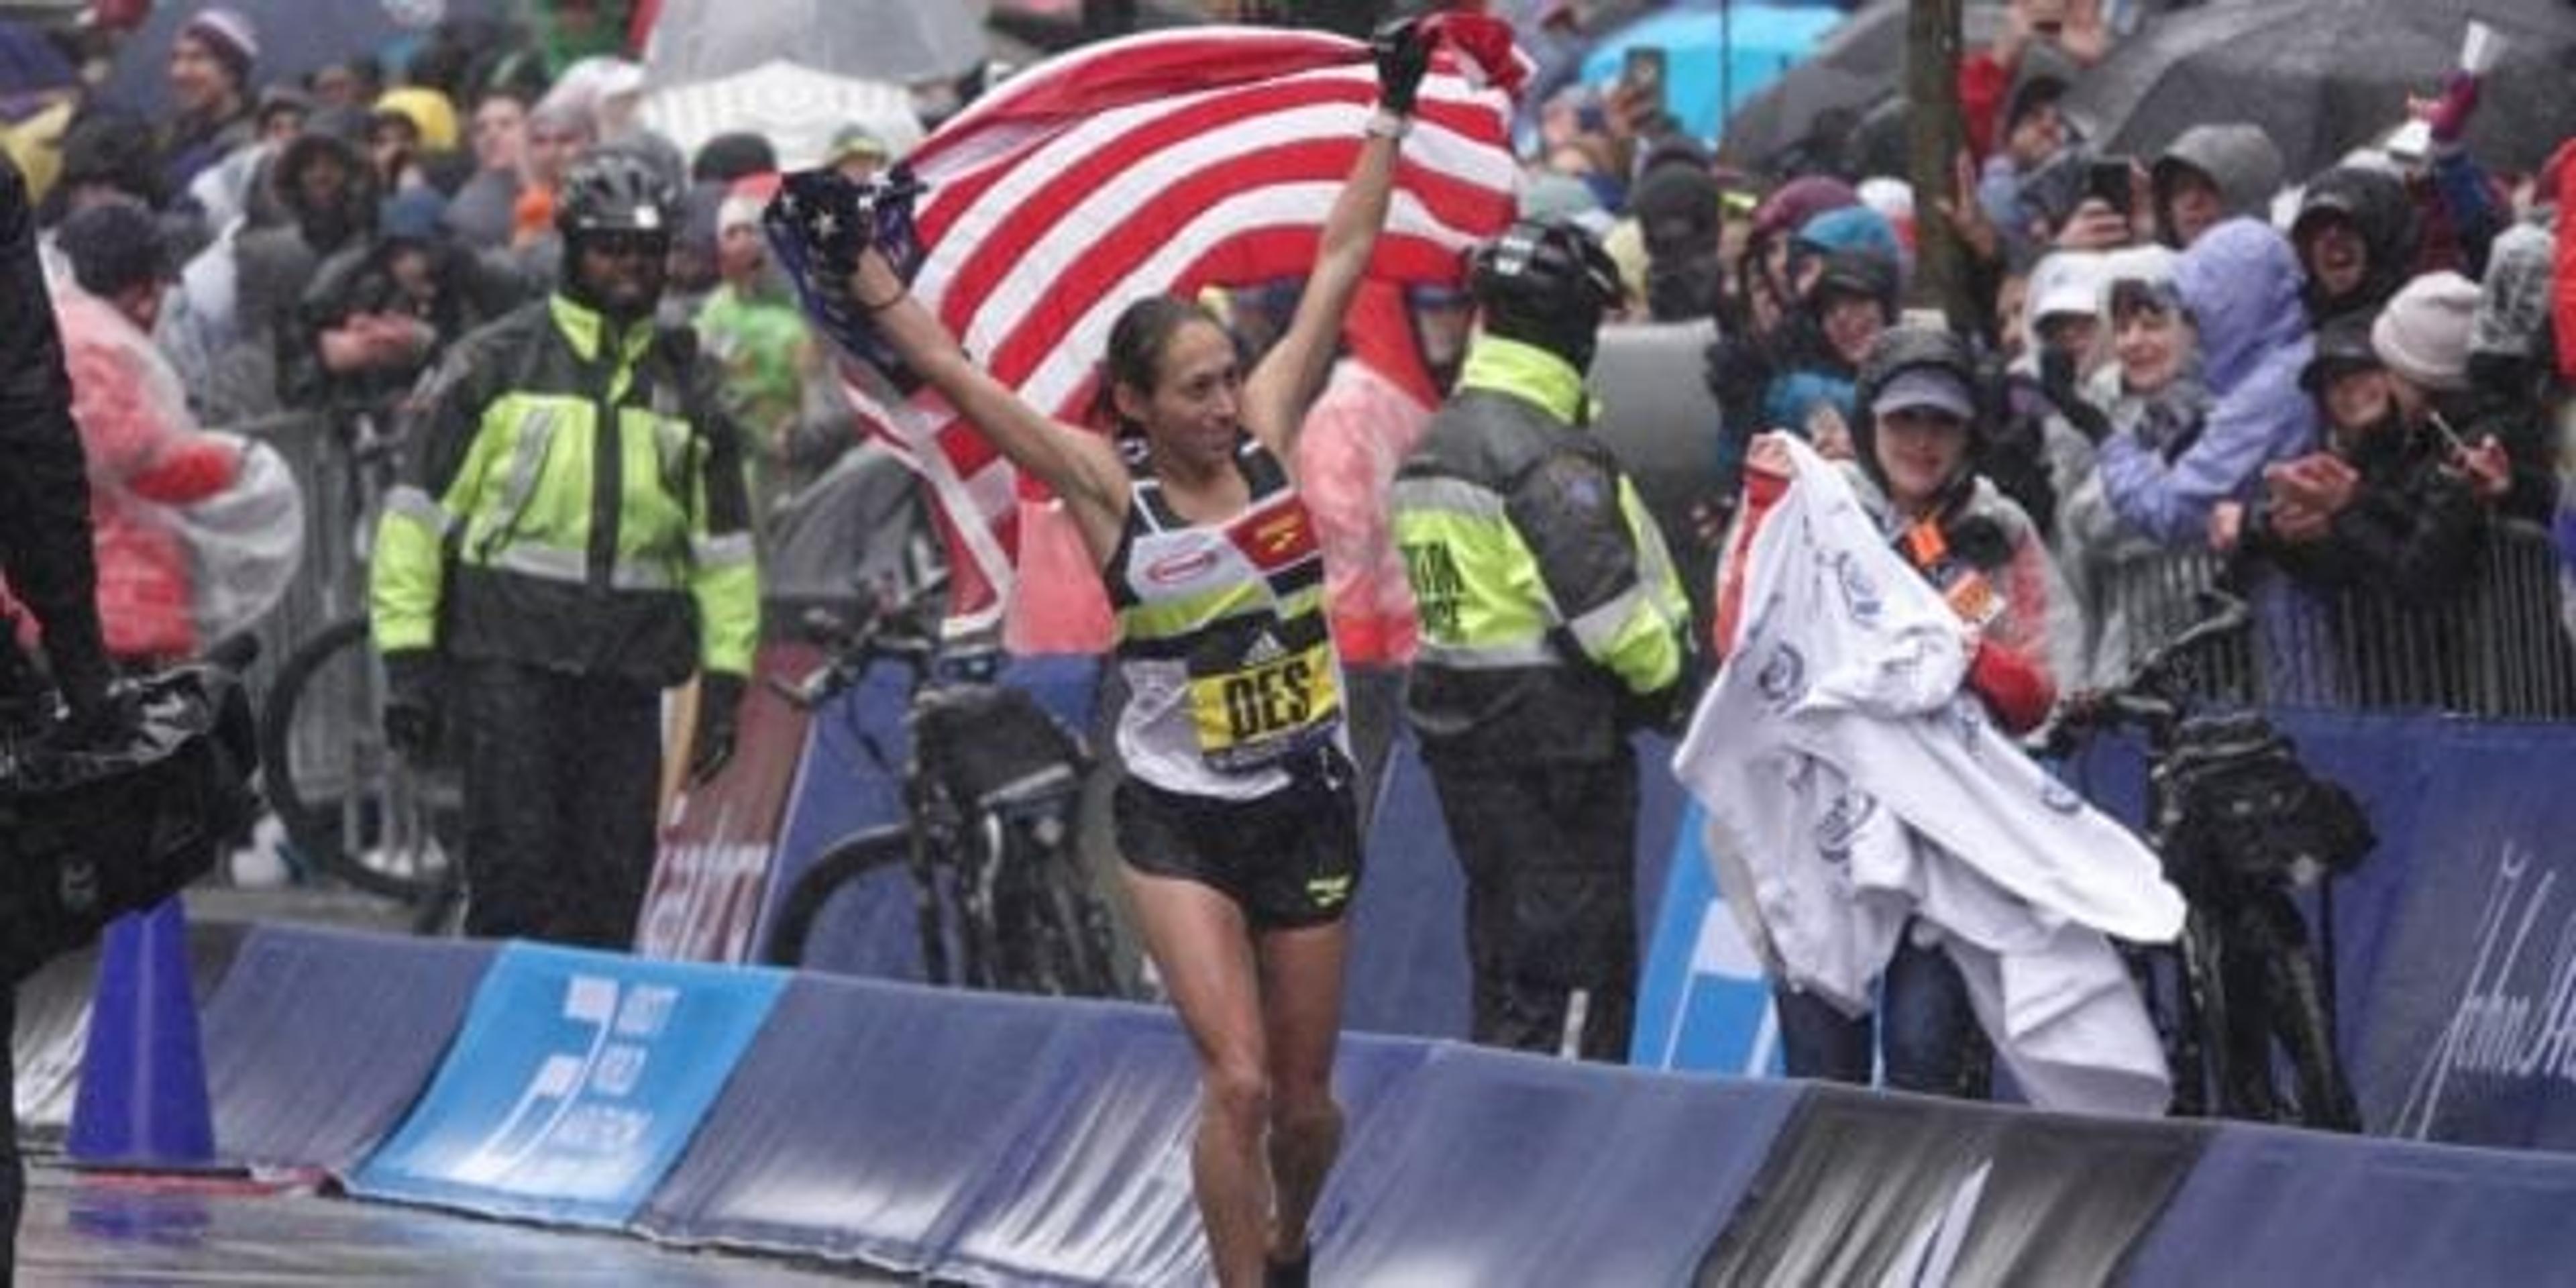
892,632
2141,698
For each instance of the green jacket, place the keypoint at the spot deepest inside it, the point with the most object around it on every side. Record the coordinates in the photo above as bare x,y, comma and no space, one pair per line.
1551,614
574,498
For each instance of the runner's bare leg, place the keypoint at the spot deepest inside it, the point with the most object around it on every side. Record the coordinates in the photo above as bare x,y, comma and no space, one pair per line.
1301,1012
1203,951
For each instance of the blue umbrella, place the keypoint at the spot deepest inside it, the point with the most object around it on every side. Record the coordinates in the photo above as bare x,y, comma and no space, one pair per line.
1714,52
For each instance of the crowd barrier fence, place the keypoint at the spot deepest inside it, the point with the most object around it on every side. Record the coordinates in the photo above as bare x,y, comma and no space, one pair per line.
984,1139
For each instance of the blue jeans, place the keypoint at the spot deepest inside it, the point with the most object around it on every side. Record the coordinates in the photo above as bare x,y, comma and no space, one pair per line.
1923,1026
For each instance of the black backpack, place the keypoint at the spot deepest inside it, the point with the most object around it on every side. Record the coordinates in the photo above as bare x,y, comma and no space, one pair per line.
2240,810
86,837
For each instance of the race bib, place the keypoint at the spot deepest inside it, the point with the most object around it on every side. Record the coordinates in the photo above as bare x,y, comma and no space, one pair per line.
1272,704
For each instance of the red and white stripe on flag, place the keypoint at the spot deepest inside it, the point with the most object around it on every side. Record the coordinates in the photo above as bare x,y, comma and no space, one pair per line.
1158,164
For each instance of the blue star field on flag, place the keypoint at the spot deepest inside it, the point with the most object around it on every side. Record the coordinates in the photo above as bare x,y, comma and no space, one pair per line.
818,224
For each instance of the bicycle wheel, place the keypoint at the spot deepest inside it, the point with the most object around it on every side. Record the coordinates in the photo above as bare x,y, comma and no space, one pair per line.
846,863
360,813
1066,930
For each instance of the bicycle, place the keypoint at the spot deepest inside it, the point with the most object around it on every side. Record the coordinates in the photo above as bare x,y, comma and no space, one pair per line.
351,807
2240,824
991,791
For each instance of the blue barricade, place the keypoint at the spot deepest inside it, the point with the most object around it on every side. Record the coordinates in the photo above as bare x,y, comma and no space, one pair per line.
2474,1040
576,1081
843,790
1498,1168
869,1120
1408,971
319,1040
1870,1188
2268,1207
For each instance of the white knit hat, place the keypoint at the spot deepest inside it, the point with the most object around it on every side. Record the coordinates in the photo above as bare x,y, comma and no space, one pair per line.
2423,333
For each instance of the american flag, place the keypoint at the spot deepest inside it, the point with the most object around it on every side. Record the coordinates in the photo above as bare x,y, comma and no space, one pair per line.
1157,164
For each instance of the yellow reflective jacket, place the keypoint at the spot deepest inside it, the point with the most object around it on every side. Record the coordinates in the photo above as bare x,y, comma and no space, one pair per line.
1549,606
575,498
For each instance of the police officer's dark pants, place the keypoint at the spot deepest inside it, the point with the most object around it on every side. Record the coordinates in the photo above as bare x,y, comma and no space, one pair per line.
1549,852
561,775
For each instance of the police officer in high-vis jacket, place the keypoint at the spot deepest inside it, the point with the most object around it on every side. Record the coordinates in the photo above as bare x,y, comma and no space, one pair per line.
1552,625
571,538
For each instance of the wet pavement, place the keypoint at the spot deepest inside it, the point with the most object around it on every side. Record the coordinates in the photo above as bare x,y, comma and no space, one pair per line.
87,1229
96,1230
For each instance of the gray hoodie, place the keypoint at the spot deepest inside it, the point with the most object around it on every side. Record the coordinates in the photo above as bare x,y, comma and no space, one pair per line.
2239,158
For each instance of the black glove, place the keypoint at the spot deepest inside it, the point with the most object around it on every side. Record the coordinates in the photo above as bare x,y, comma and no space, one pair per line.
1403,56
411,703
719,718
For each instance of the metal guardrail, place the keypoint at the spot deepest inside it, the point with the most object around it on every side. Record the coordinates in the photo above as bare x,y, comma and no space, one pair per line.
2496,648
330,584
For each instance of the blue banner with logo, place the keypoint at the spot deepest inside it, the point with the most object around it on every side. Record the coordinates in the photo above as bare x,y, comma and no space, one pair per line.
1704,1003
576,1082
2471,1034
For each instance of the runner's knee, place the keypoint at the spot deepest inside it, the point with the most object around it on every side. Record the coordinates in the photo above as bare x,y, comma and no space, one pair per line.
1239,1092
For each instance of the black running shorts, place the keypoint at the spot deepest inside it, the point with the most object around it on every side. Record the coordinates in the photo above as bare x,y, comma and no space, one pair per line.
1290,859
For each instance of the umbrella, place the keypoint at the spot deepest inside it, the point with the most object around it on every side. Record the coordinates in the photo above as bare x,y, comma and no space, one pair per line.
903,42
295,37
1856,67
2326,76
797,108
1712,48
30,65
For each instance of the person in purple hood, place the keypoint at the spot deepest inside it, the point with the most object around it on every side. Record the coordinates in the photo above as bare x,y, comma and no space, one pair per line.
2240,283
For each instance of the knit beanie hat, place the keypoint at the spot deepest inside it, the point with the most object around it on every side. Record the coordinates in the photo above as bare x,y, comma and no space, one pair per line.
2423,333
230,34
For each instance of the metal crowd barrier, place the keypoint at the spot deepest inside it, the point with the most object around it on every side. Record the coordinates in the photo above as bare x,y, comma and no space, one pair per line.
2495,648
329,585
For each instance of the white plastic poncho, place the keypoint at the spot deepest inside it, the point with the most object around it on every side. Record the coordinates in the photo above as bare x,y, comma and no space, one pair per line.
1852,783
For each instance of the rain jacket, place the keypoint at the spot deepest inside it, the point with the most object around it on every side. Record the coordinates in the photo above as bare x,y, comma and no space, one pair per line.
2510,370
1370,417
575,500
2379,206
44,491
2241,283
145,454
2241,159
1550,611
2115,570
2413,530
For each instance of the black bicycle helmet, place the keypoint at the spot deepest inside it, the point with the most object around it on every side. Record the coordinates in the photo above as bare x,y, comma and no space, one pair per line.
616,190
1546,282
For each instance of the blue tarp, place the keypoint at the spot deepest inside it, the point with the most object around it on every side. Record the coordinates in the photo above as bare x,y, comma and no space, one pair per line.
574,1085
319,1040
2267,1207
